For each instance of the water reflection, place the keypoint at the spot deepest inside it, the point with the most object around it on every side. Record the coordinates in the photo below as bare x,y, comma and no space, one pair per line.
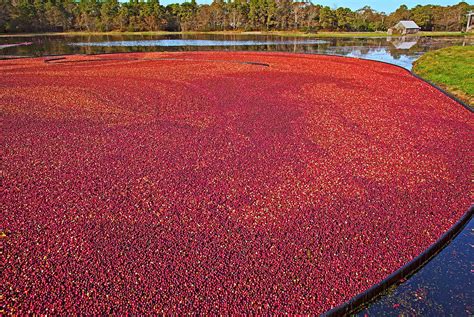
399,51
404,43
404,60
443,287
176,43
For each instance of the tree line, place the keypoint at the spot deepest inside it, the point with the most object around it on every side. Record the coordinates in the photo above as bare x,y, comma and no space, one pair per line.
220,15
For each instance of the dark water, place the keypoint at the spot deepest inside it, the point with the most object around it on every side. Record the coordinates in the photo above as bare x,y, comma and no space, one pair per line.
399,51
444,286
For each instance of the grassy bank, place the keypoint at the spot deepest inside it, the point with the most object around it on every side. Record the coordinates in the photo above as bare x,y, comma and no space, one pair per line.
277,33
365,34
452,69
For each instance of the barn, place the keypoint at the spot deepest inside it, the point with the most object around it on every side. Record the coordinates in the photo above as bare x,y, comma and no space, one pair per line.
470,21
405,27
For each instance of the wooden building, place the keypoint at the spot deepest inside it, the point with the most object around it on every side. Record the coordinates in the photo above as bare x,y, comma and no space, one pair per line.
470,21
404,28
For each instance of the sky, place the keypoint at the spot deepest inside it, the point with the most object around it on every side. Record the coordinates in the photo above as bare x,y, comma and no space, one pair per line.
387,6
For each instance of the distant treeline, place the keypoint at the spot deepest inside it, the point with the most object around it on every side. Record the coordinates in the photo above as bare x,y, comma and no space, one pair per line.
245,15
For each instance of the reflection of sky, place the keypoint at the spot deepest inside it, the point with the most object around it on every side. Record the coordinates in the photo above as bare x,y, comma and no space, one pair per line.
383,55
373,53
377,53
399,51
195,43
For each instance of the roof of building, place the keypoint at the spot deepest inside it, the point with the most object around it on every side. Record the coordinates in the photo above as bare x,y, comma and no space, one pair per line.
408,24
402,45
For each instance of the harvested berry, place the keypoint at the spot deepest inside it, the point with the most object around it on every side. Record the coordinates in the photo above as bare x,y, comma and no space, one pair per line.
200,182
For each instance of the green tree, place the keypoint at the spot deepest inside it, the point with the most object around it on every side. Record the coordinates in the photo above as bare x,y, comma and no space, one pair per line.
122,18
402,13
108,15
423,16
40,14
89,15
149,15
345,19
327,19
70,10
22,16
185,14
367,19
254,14
284,16
5,15
218,15
153,15
238,11
299,12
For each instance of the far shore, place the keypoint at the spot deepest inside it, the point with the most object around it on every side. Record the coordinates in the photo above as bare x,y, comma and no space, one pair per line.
237,33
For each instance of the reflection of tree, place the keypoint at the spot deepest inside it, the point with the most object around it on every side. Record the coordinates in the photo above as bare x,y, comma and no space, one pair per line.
377,48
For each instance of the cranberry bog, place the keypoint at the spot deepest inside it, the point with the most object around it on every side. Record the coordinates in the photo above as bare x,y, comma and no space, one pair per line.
220,182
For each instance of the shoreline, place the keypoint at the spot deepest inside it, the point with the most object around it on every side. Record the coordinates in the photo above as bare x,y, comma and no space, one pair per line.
444,68
243,33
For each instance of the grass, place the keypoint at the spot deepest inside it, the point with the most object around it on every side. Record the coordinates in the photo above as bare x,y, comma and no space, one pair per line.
363,34
278,33
450,68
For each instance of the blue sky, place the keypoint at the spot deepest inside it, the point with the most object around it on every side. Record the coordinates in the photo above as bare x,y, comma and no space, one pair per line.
379,5
383,5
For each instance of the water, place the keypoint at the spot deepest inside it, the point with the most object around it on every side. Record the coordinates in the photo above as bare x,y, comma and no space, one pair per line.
443,286
399,51
176,43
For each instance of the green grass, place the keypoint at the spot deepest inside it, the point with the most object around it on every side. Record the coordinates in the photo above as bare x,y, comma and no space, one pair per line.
278,33
364,34
450,68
